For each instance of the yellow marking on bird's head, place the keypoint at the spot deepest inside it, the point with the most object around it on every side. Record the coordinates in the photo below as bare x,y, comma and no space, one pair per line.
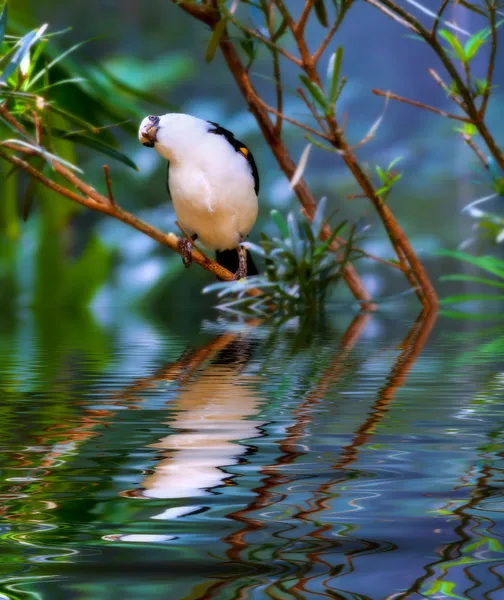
244,151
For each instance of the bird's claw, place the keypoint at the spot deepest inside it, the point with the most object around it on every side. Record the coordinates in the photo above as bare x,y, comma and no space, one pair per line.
242,264
186,247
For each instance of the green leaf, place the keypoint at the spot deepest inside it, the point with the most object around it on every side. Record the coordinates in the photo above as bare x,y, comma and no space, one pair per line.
215,39
3,22
321,12
336,60
487,263
473,44
280,223
21,48
54,62
382,175
318,218
315,92
394,162
469,298
95,144
454,43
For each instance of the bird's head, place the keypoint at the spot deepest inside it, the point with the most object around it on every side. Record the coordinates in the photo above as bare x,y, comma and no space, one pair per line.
173,135
147,134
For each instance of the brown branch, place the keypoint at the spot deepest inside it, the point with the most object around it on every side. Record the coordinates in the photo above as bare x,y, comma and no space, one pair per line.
477,150
101,204
332,31
277,75
267,42
491,62
443,113
440,12
271,110
109,185
313,111
301,24
450,92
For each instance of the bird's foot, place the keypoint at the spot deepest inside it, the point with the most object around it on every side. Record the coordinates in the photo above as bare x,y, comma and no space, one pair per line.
242,263
186,245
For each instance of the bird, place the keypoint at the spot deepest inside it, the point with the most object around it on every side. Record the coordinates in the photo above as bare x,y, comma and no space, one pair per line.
213,182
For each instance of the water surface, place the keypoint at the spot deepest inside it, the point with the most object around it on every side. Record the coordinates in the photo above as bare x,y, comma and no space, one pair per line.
361,458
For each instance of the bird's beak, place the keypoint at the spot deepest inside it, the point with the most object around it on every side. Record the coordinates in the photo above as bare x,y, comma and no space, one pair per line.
148,134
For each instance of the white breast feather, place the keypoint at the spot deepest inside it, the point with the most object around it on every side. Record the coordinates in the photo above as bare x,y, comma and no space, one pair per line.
212,188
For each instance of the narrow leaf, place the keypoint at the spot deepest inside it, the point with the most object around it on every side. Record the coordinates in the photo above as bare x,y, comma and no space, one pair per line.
470,298
95,144
54,62
315,92
479,201
318,217
321,12
3,22
22,48
298,173
336,60
280,223
472,279
454,43
215,39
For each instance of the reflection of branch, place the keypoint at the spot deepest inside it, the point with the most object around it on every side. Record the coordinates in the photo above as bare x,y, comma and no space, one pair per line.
265,494
412,345
455,550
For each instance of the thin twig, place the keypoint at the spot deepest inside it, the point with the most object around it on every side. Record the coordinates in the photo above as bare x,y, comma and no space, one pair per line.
421,105
450,92
332,31
301,24
491,61
313,111
38,128
474,147
109,185
271,110
440,12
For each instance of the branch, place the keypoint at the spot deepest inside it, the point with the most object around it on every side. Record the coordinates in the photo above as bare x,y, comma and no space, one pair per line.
421,105
440,12
301,24
332,31
474,147
491,62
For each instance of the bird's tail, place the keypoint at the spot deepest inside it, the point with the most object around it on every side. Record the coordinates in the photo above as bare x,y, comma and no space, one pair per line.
229,260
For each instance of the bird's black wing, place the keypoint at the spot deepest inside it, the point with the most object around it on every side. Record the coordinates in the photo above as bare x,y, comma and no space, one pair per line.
239,147
168,181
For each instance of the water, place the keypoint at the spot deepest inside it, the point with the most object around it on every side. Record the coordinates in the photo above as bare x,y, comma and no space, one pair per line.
359,459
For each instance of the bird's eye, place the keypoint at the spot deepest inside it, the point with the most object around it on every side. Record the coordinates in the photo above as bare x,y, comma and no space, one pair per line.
153,118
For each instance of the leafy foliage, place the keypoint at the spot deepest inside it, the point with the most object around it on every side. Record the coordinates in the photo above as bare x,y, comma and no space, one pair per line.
300,268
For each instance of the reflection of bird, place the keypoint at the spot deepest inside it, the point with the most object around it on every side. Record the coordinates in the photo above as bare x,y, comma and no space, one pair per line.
213,181
211,413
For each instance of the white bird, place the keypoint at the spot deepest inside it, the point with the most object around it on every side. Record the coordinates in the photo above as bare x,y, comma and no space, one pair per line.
213,182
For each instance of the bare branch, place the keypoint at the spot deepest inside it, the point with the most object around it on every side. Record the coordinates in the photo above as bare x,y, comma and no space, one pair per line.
109,185
313,111
301,24
421,105
440,12
271,110
491,61
477,150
